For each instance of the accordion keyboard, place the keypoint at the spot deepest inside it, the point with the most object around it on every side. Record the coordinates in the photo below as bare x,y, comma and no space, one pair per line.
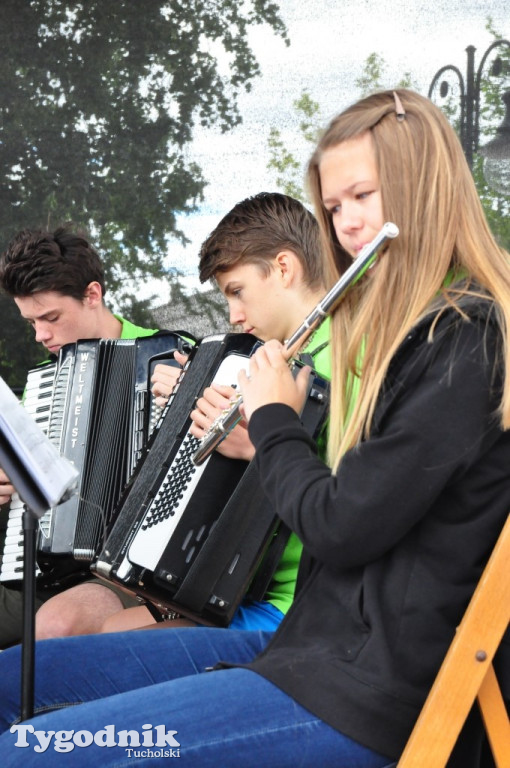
174,486
167,507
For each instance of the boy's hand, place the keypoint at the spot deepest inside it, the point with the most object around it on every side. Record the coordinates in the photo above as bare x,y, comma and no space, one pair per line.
213,402
6,488
165,377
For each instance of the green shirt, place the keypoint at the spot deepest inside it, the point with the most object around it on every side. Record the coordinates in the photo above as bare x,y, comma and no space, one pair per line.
130,331
283,584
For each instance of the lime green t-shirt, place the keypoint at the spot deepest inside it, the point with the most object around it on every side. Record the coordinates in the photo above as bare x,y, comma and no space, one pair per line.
283,584
131,331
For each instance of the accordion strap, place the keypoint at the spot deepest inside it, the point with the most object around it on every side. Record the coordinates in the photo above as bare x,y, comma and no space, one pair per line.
269,564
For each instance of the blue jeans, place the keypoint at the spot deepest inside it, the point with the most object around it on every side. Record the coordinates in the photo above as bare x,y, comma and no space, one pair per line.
156,684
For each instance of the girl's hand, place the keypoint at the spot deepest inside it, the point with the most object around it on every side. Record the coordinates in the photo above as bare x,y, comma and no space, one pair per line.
271,381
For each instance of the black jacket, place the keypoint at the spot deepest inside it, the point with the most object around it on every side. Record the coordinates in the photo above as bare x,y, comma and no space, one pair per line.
398,538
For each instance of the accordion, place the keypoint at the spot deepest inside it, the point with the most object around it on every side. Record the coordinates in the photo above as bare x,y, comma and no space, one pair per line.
93,404
191,539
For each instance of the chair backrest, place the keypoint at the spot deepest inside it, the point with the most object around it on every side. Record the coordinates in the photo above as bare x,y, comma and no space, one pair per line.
467,673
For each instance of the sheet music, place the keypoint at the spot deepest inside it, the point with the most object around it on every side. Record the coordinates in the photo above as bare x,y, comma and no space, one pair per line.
52,473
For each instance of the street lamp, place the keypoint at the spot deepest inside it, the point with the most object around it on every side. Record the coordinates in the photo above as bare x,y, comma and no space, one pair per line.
496,163
497,151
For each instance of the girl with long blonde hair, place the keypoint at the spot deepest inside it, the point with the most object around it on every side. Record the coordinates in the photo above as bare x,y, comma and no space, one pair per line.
396,532
428,190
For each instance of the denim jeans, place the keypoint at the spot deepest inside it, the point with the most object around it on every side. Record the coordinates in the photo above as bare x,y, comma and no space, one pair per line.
157,684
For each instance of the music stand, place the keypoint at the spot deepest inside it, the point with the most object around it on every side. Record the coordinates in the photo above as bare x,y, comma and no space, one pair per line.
28,627
35,507
42,479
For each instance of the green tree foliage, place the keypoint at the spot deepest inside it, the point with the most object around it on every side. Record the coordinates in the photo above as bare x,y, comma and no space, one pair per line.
373,77
287,167
98,101
18,350
289,170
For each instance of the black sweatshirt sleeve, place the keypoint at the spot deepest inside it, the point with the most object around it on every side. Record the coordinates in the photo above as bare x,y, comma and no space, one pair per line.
438,423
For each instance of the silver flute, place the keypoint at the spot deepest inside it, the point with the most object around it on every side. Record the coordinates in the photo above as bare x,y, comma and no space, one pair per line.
226,421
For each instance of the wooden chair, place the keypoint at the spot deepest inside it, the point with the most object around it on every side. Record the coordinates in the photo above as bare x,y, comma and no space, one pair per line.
467,673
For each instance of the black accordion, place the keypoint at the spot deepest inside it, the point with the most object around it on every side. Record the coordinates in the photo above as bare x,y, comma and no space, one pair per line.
191,539
94,405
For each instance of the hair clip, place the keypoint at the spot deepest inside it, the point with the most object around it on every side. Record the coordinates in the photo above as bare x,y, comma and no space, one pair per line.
399,109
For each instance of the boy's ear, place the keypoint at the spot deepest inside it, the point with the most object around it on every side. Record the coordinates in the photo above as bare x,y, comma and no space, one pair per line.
93,295
289,266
